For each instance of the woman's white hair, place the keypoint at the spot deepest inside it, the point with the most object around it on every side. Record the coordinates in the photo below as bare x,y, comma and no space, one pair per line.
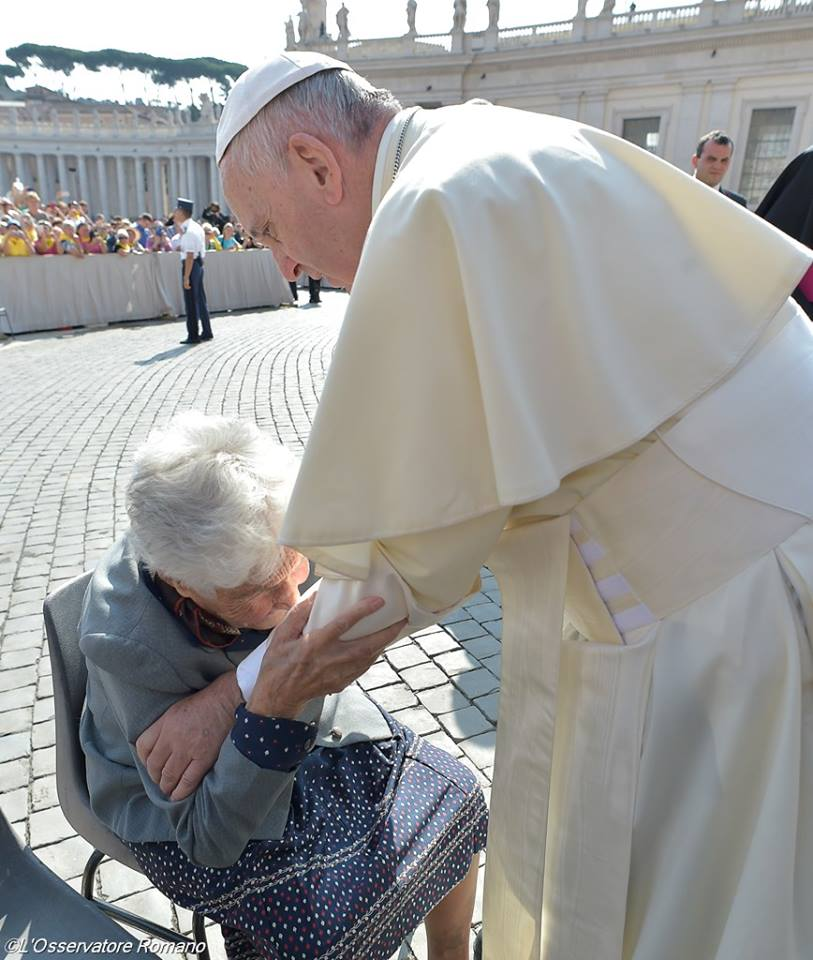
206,502
339,104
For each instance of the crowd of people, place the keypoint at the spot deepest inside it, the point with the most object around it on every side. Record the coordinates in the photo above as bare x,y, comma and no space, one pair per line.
31,227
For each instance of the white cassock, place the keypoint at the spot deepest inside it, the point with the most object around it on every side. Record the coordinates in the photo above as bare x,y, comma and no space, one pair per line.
566,358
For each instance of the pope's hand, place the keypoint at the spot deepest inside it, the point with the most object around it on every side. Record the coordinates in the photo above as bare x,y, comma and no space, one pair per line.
298,667
182,745
187,285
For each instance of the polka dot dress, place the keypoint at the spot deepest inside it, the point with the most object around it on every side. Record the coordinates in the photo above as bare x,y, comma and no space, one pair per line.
377,835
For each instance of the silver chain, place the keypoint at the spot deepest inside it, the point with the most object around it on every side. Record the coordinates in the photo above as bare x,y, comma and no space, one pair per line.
400,148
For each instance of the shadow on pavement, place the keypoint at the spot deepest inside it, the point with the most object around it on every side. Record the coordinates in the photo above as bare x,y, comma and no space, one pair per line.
164,355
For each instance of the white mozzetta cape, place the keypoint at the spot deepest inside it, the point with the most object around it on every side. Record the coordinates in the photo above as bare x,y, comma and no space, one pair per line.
534,299
533,296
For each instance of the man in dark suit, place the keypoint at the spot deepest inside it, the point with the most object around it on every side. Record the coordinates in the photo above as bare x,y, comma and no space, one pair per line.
788,205
712,160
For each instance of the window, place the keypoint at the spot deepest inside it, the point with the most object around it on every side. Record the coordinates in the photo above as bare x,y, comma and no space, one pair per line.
643,132
766,151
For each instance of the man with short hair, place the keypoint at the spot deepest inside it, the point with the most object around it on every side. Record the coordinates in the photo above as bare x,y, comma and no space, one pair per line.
143,226
192,248
711,162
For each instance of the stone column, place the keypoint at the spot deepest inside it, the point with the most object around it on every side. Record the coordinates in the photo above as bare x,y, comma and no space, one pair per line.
580,21
104,199
593,107
157,191
689,125
81,163
42,180
4,177
721,114
190,190
603,23
706,18
734,11
121,183
172,179
62,170
214,181
138,186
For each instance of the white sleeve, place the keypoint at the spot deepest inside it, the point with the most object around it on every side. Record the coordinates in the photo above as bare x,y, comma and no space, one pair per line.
249,669
335,596
421,578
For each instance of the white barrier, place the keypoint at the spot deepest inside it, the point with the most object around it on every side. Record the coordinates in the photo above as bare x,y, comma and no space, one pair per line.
46,293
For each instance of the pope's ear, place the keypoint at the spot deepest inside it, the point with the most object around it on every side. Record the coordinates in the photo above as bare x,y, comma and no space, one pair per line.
315,166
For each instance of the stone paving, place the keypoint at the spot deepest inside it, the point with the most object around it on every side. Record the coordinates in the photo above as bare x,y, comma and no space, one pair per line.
75,406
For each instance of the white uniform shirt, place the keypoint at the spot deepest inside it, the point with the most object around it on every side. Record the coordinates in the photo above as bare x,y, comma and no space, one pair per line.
193,239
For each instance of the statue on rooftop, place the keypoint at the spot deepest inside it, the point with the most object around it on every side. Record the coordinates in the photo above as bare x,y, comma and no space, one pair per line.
459,22
411,9
290,36
341,22
304,23
493,14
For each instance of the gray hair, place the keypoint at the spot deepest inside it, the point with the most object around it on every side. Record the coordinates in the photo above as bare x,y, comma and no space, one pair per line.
336,103
206,501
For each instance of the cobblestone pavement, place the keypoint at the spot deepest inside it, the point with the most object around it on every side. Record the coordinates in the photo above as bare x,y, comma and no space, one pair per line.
74,408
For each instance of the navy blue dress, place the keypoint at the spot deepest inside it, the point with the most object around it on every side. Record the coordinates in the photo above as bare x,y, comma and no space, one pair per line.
377,834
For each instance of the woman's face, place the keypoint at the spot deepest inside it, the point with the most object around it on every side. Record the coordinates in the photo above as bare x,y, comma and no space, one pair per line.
262,606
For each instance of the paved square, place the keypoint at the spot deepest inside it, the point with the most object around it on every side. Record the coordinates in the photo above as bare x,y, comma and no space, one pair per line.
75,406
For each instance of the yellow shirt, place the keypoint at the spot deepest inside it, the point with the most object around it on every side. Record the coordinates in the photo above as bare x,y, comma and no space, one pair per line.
46,244
15,247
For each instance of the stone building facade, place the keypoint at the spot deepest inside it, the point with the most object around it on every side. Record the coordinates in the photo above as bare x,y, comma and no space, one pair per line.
121,159
659,77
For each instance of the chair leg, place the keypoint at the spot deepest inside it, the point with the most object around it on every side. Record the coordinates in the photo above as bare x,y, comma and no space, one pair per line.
89,874
199,935
141,923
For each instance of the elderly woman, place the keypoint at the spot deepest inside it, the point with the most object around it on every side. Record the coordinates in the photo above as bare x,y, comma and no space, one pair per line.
89,241
324,828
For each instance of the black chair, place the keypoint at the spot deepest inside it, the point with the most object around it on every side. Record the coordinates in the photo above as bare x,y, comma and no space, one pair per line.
35,905
62,610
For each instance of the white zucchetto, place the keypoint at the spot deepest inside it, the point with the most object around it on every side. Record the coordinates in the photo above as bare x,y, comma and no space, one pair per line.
259,85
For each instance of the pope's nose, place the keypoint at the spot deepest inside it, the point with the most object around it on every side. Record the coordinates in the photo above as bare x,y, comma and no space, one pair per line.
288,268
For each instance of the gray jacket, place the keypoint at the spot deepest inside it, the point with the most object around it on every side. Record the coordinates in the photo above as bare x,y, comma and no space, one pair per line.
140,660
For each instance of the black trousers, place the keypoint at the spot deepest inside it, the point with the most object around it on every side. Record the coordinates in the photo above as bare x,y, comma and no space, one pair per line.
314,286
195,303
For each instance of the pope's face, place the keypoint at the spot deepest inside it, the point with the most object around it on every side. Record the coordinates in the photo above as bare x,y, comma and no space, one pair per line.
293,213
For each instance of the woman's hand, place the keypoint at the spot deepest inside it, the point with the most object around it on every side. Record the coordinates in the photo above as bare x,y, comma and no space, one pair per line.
182,745
298,667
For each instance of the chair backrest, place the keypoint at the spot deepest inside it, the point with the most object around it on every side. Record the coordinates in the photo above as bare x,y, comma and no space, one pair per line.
35,903
62,611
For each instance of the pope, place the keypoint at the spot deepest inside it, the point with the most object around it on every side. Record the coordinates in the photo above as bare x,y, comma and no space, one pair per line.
625,441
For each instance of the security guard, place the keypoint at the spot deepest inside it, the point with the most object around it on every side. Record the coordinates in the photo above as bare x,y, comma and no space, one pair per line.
193,251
